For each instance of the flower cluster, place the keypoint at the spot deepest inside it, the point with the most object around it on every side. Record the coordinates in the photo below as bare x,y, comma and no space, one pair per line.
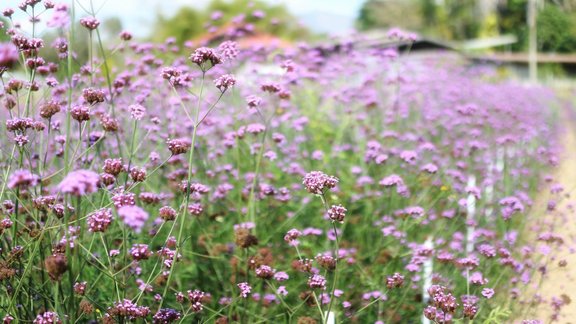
80,183
100,220
317,182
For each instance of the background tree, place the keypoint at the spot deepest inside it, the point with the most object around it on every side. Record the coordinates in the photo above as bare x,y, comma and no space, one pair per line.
556,30
190,23
396,13
187,23
461,20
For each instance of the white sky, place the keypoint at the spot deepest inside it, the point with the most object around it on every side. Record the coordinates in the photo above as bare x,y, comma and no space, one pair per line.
138,15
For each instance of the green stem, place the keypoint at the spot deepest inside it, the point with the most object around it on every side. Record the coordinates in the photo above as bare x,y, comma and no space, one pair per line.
184,213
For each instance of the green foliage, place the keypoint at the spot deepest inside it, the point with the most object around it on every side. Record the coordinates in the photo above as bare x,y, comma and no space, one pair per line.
112,26
462,19
459,20
186,24
189,23
498,315
429,11
556,30
453,20
3,36
556,26
385,14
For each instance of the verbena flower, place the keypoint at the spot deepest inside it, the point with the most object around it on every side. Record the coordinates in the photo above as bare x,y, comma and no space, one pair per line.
317,282
133,216
337,213
80,183
89,23
100,220
23,179
225,82
317,182
245,289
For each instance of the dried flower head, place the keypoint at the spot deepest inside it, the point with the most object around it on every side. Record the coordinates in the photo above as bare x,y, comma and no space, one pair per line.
49,109
56,265
178,146
93,96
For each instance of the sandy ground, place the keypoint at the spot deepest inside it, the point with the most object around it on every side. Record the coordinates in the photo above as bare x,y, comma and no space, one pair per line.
559,281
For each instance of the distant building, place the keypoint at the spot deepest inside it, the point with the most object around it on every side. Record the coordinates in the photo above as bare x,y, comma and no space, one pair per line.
243,34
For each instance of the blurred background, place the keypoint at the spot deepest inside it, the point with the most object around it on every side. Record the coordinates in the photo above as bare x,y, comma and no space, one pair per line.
535,39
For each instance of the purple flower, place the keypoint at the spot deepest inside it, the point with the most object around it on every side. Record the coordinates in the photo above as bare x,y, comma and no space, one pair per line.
47,318
282,291
80,183
225,82
127,308
133,216
265,272
253,101
137,112
247,225
22,179
228,50
292,236
178,145
245,289
165,316
511,205
140,252
392,180
409,156
89,23
281,276
488,292
196,298
100,220
317,282
476,278
430,168
317,182
205,58
337,213
394,281
8,55
469,310
414,211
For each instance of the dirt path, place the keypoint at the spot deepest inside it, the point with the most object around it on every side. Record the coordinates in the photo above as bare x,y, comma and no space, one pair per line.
559,282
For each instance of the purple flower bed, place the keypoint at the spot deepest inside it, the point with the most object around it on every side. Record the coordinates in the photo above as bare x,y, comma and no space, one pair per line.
169,184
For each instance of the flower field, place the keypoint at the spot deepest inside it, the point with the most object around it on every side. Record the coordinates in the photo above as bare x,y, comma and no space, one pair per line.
310,184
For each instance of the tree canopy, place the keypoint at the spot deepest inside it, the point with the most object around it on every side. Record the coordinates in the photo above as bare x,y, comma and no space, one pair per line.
461,20
189,23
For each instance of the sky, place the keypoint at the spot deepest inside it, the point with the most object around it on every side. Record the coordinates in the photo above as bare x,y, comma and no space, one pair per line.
138,15
136,20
